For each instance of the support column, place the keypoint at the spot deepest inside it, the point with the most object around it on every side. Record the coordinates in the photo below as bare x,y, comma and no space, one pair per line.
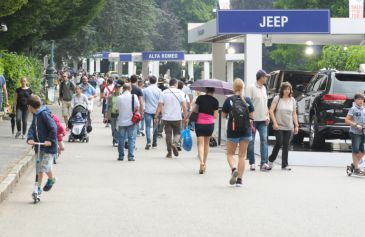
84,64
253,58
131,70
91,66
155,69
97,62
145,69
206,74
191,69
119,67
219,61
230,71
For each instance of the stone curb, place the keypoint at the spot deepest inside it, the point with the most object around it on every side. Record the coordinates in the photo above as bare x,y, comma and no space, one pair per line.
9,183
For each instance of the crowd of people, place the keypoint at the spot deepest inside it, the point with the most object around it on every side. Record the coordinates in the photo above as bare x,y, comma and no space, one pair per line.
134,107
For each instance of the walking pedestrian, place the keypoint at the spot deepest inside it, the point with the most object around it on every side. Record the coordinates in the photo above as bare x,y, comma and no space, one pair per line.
257,93
3,91
142,123
171,104
20,104
161,85
355,118
137,91
239,111
285,123
151,97
67,89
79,99
108,91
89,91
207,108
112,111
43,130
127,104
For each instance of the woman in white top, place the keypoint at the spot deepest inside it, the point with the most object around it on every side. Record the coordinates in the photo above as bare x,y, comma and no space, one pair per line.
285,123
79,98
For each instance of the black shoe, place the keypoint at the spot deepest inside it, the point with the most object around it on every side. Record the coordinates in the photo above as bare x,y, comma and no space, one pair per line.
175,150
148,146
234,176
169,155
126,145
179,148
154,145
239,182
142,133
120,159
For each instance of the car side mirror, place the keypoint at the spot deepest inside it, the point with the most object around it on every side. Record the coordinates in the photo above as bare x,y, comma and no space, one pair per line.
300,88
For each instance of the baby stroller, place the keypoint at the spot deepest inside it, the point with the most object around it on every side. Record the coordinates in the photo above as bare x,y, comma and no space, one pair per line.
79,124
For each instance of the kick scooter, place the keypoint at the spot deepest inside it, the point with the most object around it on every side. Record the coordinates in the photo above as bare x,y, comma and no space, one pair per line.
35,195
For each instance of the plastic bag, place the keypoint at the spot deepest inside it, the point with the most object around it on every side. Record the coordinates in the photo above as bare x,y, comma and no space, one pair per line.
187,140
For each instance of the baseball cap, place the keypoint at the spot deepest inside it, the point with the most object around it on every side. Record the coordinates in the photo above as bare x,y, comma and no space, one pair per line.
119,83
261,73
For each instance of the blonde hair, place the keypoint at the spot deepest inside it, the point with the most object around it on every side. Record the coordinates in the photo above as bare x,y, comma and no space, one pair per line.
239,86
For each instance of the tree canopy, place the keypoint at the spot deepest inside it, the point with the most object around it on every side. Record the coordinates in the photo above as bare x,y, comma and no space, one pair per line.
8,7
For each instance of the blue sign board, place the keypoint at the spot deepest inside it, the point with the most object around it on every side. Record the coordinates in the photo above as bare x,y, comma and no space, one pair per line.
163,56
125,57
98,55
273,22
105,55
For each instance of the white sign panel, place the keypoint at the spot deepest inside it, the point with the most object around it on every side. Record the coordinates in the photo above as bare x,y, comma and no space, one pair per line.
224,4
356,9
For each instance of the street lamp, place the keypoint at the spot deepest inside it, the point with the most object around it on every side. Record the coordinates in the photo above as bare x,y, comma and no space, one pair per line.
309,51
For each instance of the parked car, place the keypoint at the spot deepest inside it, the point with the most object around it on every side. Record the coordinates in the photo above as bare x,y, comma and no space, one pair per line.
324,104
293,77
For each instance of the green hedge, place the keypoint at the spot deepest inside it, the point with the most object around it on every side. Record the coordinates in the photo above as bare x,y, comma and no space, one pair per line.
14,66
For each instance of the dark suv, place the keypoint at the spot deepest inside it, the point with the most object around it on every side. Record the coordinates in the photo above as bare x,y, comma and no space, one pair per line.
324,104
293,77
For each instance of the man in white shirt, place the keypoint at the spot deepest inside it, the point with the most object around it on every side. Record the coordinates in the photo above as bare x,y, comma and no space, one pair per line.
127,129
258,95
151,97
172,103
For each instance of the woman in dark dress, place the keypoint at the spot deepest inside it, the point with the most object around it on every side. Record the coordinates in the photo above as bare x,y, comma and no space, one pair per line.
207,108
20,103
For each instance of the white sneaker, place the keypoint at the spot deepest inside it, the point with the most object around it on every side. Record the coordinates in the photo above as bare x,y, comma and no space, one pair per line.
252,167
271,165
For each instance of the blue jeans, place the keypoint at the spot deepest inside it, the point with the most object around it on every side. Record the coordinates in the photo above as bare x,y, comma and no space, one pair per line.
261,127
149,119
140,126
130,133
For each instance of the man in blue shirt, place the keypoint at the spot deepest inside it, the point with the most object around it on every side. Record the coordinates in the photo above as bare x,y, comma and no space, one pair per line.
4,91
151,98
89,91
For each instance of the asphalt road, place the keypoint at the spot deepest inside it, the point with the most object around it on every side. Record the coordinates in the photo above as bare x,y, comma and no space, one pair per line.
95,195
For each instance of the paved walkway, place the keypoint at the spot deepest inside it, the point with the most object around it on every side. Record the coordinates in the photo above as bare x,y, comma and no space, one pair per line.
95,195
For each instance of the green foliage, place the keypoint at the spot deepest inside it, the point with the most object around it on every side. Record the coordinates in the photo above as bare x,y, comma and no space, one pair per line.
47,19
252,4
14,66
8,7
339,8
337,57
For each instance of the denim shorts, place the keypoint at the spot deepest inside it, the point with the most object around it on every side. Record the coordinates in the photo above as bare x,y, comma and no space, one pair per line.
45,162
357,143
237,140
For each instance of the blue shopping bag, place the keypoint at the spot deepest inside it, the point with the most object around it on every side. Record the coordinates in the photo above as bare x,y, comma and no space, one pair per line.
187,140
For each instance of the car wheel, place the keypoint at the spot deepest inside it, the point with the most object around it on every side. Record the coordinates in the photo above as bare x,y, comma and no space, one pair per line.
315,139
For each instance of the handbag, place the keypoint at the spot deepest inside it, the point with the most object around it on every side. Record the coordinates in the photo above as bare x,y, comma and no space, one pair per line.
136,118
194,114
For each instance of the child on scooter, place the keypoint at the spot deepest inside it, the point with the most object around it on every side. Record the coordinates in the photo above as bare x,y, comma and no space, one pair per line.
42,130
356,119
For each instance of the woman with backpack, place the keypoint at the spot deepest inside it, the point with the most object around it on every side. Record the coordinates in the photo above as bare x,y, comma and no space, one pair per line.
20,104
285,123
239,111
206,107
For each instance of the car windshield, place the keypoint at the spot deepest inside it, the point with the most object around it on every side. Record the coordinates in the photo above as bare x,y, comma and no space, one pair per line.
297,79
349,83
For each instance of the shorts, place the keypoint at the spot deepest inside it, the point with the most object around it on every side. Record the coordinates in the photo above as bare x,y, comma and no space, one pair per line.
66,108
45,162
204,130
237,140
357,143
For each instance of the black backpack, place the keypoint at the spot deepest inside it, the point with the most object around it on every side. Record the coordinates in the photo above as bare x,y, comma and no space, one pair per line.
240,115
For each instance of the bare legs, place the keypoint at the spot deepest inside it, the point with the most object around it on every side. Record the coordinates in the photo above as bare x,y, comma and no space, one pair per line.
203,149
242,152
